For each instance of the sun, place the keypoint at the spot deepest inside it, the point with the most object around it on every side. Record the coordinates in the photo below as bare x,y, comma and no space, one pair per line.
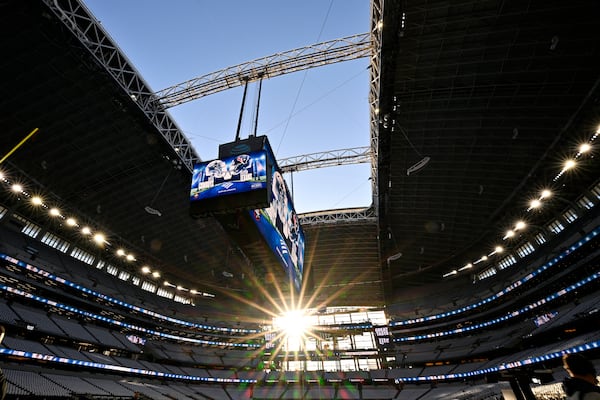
293,326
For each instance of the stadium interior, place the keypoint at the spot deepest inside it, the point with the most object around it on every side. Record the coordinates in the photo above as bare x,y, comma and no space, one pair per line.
470,275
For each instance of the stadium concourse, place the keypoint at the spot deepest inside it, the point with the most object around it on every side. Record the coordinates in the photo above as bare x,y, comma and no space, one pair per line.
470,275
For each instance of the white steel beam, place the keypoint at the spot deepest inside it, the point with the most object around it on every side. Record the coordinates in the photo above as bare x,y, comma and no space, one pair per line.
316,55
374,91
331,158
78,19
349,215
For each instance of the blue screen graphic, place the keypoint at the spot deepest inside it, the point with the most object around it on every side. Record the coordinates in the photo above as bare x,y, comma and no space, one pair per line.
232,175
280,228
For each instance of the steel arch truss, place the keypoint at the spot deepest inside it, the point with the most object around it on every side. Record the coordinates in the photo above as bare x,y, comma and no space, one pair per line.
375,69
316,55
331,158
79,20
350,215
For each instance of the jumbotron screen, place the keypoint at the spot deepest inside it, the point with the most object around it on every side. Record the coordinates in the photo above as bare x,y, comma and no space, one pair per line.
280,228
230,183
245,191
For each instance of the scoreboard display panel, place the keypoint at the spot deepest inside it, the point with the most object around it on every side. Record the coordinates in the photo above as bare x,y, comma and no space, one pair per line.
231,183
245,191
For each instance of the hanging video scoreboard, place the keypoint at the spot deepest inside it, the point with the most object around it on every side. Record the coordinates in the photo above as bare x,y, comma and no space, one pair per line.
230,183
245,185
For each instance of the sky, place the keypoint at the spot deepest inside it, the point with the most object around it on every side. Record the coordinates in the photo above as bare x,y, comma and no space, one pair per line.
317,110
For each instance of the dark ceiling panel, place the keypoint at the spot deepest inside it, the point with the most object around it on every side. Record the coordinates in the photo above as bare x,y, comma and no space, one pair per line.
492,92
